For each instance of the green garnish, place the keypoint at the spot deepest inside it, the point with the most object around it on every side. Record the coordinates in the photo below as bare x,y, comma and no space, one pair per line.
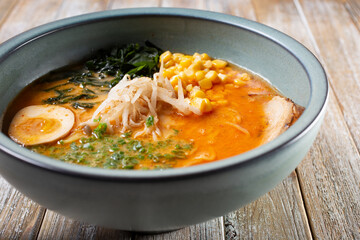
114,152
98,119
149,121
131,59
100,130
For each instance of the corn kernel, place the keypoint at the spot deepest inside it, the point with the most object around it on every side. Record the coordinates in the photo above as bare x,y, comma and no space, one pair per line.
199,75
239,82
196,92
183,76
223,78
207,64
205,84
169,63
186,61
168,73
212,76
189,87
179,69
190,73
176,89
203,104
208,105
197,56
166,56
174,80
245,77
218,63
205,56
177,57
197,65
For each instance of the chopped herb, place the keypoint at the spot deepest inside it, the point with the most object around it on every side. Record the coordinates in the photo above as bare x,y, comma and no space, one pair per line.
150,121
114,152
100,130
73,146
126,135
98,119
187,146
88,146
176,132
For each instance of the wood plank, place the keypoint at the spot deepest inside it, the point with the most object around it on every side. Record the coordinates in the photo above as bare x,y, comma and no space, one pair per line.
56,226
353,7
240,8
277,215
337,40
198,4
207,230
19,216
23,18
330,179
6,6
116,4
71,8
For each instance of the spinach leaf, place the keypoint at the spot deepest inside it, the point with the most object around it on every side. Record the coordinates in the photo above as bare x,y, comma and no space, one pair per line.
131,59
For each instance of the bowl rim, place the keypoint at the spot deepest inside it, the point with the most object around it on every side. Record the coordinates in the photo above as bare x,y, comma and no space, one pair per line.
313,113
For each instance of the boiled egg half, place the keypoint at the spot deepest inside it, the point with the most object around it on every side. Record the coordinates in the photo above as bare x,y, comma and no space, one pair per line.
39,124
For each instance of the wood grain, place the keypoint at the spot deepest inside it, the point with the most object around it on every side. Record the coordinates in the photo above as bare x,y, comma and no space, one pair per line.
353,8
330,180
71,8
23,16
56,226
116,4
277,215
337,40
6,7
19,216
199,4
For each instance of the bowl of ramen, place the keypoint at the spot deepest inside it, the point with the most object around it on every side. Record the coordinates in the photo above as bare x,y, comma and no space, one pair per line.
154,119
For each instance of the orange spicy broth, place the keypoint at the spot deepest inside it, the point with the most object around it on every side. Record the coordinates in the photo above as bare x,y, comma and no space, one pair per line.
234,126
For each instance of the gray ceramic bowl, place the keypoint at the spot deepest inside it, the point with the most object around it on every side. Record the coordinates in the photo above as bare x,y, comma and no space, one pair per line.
161,200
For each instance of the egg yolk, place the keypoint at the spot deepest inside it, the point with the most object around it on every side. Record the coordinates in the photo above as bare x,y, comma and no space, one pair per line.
38,126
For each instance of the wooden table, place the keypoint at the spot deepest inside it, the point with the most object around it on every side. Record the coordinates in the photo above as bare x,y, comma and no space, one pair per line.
320,199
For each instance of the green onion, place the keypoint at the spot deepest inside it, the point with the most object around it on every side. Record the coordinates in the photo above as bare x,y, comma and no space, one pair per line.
150,121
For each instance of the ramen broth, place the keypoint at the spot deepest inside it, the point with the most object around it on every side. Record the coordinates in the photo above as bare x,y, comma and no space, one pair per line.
219,121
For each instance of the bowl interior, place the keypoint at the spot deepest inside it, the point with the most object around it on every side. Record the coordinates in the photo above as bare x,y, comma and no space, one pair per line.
271,54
